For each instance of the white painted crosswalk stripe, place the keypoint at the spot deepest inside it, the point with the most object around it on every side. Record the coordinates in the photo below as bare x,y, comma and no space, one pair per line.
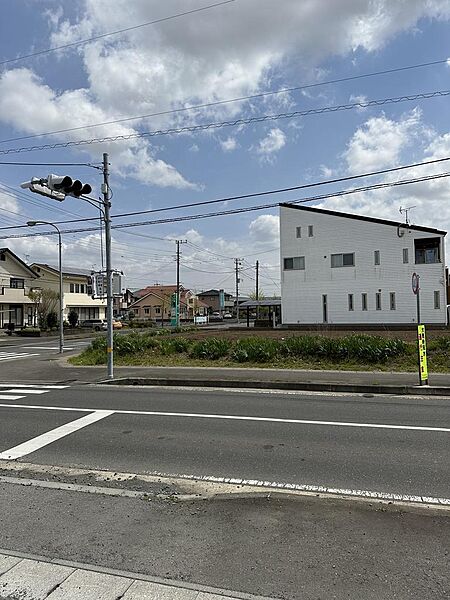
15,355
5,397
33,386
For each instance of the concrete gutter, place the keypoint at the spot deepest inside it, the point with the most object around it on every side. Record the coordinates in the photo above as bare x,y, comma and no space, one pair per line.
356,388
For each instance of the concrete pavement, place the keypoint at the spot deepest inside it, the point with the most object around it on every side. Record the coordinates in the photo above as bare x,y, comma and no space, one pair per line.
29,578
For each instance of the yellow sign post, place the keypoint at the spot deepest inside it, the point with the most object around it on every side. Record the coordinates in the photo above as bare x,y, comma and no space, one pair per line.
423,367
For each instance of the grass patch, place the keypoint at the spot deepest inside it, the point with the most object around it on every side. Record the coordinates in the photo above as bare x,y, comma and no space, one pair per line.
354,352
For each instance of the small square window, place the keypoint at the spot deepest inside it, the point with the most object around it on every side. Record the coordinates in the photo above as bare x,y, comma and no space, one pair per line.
392,304
310,231
405,256
298,232
146,311
378,301
437,300
376,257
350,302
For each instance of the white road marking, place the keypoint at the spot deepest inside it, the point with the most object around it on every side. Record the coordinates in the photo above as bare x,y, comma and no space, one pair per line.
29,391
15,356
238,418
5,397
35,386
55,434
44,348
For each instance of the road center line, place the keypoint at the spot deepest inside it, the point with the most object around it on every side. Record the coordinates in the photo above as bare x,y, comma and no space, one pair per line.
235,418
55,434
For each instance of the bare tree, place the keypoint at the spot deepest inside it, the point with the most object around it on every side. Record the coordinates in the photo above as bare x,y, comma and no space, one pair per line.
45,301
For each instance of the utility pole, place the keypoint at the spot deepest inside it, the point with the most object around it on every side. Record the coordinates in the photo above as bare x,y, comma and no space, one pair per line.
109,291
257,288
178,242
237,263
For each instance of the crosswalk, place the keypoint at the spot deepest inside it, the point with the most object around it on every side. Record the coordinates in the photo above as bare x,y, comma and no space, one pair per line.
16,355
17,391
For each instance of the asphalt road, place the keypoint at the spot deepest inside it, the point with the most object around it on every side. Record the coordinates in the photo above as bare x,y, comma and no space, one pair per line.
396,445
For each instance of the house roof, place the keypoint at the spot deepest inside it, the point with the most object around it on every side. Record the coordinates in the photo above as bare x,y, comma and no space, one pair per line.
212,293
19,260
158,289
162,297
335,213
77,272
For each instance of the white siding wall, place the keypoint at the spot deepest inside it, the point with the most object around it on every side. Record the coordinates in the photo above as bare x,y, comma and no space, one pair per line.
302,291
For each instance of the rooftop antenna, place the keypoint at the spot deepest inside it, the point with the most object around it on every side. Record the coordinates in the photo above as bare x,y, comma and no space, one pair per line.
405,211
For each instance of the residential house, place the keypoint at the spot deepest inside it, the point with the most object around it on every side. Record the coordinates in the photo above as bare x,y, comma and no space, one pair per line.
216,300
342,268
75,290
154,302
16,280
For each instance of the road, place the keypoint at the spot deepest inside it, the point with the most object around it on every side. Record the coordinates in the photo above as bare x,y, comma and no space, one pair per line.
395,445
13,349
278,547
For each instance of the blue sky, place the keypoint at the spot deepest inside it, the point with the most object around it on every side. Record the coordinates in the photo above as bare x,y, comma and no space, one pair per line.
242,48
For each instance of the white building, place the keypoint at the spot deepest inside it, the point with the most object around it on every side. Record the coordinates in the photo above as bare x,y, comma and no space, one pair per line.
16,280
75,289
340,268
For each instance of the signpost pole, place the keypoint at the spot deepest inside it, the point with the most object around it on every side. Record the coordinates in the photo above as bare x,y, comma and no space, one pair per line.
421,340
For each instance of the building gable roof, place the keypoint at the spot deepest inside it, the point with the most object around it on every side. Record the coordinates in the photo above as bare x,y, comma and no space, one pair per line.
75,272
335,213
19,261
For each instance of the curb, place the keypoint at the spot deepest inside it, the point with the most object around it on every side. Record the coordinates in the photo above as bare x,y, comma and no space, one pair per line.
410,390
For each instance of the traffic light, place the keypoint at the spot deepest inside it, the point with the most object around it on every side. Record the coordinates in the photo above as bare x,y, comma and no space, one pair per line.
68,186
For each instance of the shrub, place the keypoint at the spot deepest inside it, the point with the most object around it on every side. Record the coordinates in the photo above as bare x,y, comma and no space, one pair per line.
441,343
29,332
73,318
255,350
52,320
211,349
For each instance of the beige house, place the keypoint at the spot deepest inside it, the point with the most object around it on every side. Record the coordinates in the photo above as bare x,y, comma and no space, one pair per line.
16,280
75,290
154,302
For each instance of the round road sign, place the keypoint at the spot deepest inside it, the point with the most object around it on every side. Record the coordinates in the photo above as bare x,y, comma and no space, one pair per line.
415,283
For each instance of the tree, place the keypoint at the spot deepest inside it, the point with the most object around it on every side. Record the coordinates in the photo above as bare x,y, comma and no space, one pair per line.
261,295
45,302
73,318
52,320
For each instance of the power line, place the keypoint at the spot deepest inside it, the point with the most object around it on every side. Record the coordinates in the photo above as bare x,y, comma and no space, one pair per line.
31,164
227,101
242,196
234,123
246,209
111,33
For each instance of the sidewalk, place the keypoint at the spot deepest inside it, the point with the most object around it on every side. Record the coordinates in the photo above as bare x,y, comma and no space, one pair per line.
36,578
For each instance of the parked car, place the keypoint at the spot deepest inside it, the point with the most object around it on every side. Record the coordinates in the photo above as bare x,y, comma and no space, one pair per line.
117,324
95,324
227,315
215,316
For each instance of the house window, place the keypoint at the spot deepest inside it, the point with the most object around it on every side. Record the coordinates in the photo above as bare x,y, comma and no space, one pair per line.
72,288
82,288
427,251
17,284
296,263
437,300
3,256
405,256
146,311
77,288
364,301
343,260
376,257
298,232
350,302
310,231
378,300
392,301
158,310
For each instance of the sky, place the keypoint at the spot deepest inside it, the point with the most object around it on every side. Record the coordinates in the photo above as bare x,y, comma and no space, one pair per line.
239,48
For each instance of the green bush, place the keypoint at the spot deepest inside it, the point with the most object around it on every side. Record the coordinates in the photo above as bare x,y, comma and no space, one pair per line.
211,349
29,332
255,350
441,344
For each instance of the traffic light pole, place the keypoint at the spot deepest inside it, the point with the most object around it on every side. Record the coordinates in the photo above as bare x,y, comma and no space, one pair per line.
109,293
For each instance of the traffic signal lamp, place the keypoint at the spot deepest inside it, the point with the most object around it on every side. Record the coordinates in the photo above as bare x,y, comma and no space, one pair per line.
68,186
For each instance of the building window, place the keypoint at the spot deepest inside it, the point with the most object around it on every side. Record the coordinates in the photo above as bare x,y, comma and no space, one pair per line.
427,251
17,284
82,288
3,256
376,257
405,256
77,288
146,311
310,230
296,263
350,302
72,288
378,300
364,301
158,310
392,301
437,300
343,260
298,232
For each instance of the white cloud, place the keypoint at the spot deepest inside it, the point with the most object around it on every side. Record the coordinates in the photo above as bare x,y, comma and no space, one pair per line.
379,142
271,143
229,144
265,229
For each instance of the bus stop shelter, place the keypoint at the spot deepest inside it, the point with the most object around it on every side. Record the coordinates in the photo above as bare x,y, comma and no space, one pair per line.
274,311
